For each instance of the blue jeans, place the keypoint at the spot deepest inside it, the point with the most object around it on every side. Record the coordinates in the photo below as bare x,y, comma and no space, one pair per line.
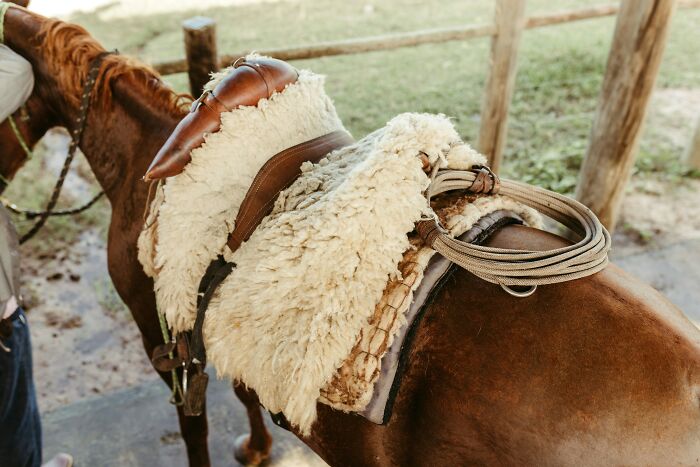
20,426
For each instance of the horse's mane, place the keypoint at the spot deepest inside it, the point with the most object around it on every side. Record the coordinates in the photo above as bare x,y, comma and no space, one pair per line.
69,50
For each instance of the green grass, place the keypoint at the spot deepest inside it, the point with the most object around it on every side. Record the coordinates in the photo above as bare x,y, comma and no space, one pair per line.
560,71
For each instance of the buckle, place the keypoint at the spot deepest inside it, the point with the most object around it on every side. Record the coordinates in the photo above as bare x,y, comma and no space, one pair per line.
200,100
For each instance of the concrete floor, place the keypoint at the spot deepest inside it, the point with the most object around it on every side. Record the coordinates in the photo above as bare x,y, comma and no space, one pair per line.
137,426
673,270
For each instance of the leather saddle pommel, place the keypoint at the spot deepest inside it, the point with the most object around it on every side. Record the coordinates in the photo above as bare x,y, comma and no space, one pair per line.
249,81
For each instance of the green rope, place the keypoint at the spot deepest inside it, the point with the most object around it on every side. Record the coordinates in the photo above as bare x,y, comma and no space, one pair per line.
20,138
177,396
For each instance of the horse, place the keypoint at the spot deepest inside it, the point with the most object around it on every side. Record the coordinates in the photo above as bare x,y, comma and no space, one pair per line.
597,371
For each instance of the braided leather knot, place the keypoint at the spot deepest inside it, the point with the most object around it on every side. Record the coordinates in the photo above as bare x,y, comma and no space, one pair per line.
486,182
429,230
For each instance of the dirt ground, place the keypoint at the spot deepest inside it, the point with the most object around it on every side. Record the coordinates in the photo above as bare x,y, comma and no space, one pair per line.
85,342
83,337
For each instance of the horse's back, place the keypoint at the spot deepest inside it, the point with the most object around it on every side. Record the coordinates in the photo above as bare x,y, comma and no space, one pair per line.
598,371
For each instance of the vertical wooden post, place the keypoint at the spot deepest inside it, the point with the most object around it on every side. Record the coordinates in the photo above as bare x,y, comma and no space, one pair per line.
510,20
633,63
692,154
200,50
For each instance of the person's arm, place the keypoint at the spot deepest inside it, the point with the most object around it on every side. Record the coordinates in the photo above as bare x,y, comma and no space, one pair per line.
9,264
16,81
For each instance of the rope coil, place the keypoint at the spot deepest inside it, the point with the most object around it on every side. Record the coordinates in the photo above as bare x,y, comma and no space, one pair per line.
509,267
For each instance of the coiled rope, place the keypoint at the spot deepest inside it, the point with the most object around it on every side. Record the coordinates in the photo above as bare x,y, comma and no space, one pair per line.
509,267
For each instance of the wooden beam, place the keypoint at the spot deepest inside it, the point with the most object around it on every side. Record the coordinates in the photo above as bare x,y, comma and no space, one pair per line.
200,50
560,17
373,43
633,64
510,20
692,154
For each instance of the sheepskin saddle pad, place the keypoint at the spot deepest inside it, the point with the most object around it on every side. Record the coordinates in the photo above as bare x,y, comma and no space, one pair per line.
324,283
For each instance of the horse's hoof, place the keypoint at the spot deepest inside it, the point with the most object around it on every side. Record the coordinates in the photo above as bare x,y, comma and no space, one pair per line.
245,454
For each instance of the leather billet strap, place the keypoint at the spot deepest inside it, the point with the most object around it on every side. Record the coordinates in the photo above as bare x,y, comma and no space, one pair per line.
216,272
509,267
277,174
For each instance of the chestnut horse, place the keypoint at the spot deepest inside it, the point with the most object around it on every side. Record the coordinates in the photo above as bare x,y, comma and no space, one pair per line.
598,371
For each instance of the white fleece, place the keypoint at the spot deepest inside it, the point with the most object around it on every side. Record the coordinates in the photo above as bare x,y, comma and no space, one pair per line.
312,273
201,203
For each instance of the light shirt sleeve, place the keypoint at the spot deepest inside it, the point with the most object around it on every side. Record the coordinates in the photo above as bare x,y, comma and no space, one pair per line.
9,260
16,81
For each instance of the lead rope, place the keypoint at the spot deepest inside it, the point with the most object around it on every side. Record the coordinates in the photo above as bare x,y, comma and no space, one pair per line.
508,267
76,138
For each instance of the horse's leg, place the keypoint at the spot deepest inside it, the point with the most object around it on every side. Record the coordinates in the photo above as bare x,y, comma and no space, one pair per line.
253,448
136,290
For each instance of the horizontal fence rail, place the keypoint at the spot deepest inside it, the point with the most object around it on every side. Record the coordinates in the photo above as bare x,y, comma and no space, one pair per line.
408,39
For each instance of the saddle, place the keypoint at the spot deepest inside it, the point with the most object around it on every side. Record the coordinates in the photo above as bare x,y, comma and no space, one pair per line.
251,80
290,207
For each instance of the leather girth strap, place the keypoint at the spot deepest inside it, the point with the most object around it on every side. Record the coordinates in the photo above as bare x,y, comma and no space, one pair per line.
277,174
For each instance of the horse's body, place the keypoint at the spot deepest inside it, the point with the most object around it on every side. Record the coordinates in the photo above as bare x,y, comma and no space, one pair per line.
598,371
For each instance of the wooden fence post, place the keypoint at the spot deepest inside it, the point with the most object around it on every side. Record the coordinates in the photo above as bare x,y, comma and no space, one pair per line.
692,154
510,21
633,63
200,50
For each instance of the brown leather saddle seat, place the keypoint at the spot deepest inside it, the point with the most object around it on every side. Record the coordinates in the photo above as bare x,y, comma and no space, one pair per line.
246,84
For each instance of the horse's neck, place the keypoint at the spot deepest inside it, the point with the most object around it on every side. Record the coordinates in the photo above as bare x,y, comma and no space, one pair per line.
120,138
119,143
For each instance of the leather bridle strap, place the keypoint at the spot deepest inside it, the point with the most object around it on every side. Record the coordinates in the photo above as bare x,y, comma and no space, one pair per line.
509,267
76,136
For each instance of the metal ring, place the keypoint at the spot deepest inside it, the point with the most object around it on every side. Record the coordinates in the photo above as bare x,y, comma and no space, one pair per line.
515,293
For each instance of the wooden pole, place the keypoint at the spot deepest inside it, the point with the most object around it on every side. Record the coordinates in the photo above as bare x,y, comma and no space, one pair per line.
200,50
692,154
633,63
510,21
